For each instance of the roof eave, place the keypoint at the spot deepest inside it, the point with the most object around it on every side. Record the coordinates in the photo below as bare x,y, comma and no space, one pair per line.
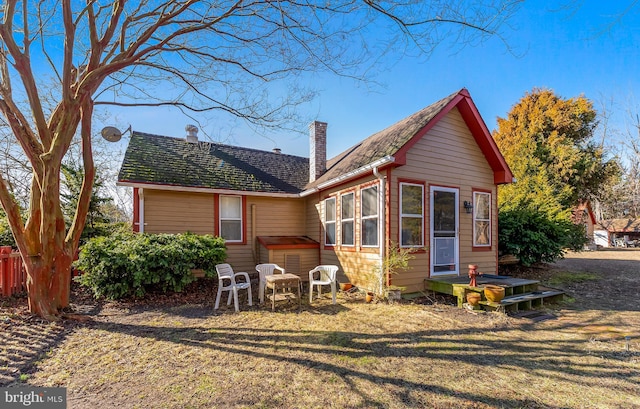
501,172
361,171
193,189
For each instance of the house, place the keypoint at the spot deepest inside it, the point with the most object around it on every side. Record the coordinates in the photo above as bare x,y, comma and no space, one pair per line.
428,182
618,233
583,215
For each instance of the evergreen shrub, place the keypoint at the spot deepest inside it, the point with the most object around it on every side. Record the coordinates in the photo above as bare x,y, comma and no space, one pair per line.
535,236
128,264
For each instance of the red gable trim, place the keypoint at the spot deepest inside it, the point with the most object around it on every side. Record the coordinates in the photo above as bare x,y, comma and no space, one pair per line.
475,123
586,206
136,210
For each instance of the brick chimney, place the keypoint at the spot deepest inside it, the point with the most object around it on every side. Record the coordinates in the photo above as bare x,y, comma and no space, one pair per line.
192,133
318,149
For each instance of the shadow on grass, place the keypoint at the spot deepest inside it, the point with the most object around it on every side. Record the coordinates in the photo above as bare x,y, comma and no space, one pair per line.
26,339
547,358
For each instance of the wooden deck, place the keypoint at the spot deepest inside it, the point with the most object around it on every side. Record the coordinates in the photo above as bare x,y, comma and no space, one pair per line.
519,294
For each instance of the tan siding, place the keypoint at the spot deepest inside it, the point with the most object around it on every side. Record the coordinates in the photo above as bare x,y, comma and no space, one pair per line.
354,265
313,216
277,217
273,217
178,212
447,156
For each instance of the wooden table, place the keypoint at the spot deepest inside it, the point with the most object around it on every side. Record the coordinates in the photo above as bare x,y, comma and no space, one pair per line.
286,282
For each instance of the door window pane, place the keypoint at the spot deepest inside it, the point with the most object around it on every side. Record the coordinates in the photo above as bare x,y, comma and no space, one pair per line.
444,212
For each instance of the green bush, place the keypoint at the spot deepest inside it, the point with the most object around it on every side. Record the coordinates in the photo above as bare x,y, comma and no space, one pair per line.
6,237
535,237
128,264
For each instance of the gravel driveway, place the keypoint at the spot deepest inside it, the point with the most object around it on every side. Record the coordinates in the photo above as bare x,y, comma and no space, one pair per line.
604,287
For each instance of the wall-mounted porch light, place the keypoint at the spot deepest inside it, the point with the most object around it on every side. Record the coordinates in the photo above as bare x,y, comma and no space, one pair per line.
468,207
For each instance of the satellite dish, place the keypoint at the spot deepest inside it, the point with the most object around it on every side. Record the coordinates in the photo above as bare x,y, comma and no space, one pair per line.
111,133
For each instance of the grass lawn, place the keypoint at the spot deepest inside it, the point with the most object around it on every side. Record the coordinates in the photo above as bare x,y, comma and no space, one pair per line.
176,352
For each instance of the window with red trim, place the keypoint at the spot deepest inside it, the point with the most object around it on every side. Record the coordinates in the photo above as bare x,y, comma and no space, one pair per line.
369,217
347,219
330,221
231,218
481,219
411,215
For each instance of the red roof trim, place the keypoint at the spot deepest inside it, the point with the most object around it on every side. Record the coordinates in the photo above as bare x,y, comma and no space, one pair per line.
475,123
401,154
584,207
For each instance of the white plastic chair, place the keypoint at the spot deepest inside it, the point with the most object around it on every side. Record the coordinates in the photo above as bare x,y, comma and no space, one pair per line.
265,270
227,282
326,275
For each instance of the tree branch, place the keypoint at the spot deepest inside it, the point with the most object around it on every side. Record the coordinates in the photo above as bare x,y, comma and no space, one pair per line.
80,217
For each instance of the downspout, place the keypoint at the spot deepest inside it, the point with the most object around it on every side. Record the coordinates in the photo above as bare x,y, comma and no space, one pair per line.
381,226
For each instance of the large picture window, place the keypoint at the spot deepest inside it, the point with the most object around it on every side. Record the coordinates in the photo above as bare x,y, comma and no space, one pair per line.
411,215
369,212
231,218
481,219
330,221
347,216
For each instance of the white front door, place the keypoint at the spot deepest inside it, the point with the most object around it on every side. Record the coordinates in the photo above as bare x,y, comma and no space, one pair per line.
444,230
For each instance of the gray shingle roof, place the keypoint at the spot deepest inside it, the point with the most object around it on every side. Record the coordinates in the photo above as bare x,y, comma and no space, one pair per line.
381,144
171,161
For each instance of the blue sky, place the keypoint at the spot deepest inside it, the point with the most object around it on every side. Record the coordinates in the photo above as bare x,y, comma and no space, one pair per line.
588,48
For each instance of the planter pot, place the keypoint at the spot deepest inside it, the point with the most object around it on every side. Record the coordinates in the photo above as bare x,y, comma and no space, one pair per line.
346,286
473,298
493,293
368,297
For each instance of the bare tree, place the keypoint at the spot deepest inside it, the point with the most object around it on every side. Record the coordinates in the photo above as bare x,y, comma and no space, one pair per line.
619,127
194,55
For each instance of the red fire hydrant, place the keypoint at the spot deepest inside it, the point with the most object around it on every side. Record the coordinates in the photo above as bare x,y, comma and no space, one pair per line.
473,273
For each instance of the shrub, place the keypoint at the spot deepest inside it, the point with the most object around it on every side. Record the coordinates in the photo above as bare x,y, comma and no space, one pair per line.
534,236
128,264
6,237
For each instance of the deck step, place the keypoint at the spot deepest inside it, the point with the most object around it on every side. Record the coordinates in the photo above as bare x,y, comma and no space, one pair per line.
524,301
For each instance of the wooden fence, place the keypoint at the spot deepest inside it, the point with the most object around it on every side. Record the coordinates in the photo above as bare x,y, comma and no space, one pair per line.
13,277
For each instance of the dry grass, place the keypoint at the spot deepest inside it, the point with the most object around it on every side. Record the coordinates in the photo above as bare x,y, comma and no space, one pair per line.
351,355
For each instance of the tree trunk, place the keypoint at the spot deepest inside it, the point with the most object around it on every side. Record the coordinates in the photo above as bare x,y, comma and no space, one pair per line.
49,255
48,284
